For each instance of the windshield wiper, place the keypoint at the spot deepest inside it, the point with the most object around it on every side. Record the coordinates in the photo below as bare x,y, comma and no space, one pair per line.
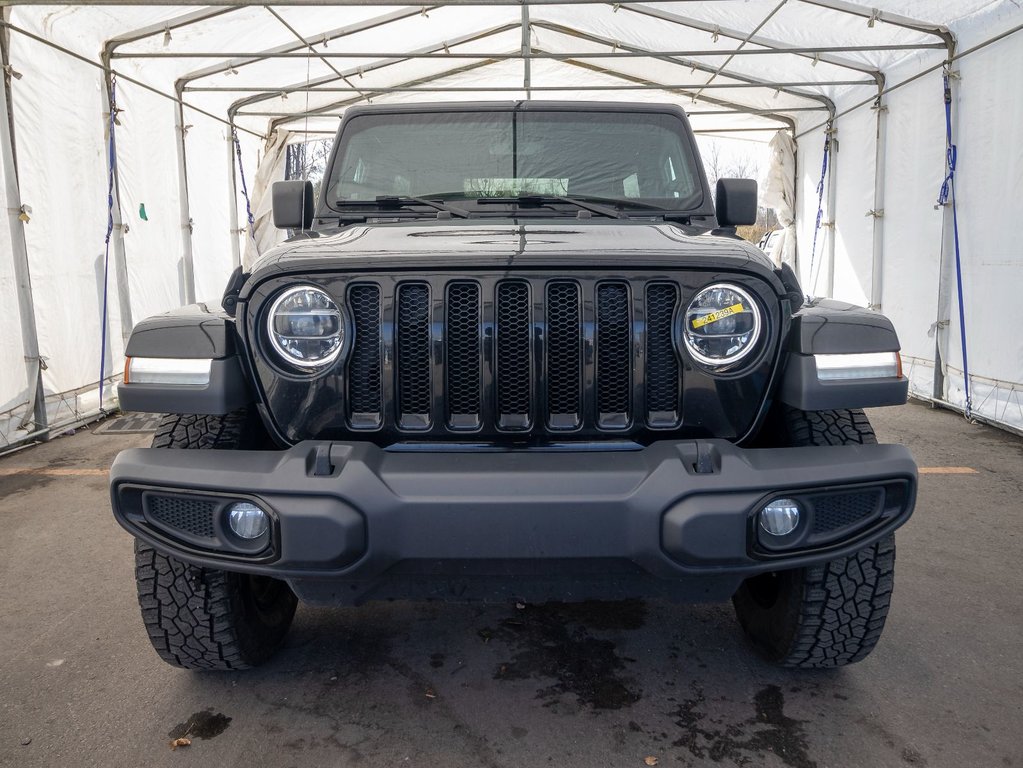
539,200
393,201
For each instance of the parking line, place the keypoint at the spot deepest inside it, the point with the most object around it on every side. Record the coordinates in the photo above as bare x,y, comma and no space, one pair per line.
53,472
947,471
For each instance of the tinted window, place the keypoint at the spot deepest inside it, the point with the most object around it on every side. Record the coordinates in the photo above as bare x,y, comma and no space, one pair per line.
638,156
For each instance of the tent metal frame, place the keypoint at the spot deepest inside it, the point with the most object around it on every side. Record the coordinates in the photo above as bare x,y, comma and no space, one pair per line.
751,43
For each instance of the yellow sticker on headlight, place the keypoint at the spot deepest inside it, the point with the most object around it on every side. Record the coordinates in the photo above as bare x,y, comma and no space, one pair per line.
721,314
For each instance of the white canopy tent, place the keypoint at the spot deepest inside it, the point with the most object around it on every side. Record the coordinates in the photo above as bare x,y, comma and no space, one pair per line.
138,144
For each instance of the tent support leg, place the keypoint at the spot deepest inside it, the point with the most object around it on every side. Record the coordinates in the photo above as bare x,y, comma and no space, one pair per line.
832,217
877,255
946,269
187,264
117,235
232,189
19,252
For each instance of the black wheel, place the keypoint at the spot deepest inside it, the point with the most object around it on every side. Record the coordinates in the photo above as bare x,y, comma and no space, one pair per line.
827,615
202,618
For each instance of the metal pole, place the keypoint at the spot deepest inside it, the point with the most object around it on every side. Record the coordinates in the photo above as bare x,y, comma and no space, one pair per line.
877,261
117,236
697,87
236,248
187,264
832,194
527,49
621,53
19,253
946,266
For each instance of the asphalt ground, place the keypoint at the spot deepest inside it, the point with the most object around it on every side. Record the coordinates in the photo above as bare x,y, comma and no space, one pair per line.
602,684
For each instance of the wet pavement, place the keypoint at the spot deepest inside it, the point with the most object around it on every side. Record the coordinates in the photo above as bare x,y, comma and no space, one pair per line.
596,684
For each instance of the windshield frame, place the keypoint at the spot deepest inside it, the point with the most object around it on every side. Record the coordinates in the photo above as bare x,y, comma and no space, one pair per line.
703,206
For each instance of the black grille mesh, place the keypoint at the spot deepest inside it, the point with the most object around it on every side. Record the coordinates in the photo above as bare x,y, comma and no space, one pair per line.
513,368
463,348
364,366
194,516
832,512
492,366
413,358
563,357
613,338
661,363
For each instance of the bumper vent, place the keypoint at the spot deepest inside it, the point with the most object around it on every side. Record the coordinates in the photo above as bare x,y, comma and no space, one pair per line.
836,512
191,516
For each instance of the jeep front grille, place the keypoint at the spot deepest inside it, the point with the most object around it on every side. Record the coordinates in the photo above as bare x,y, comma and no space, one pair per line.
513,355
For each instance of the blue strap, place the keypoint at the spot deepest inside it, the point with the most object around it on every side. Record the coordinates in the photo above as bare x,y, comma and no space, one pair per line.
245,189
111,171
820,202
945,195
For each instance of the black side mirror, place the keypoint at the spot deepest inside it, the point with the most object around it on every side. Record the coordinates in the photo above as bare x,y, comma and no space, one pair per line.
735,201
293,204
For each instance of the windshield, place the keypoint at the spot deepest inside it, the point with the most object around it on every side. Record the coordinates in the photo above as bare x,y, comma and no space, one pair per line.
638,158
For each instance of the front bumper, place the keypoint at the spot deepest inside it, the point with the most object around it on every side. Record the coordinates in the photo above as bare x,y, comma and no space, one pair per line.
352,521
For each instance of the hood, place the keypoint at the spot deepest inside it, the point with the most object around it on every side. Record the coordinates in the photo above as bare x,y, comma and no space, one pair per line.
507,245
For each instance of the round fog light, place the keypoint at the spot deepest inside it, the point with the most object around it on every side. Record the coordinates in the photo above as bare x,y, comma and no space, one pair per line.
780,517
247,521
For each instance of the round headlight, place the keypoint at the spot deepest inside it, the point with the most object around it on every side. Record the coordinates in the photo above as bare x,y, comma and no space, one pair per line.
305,327
721,325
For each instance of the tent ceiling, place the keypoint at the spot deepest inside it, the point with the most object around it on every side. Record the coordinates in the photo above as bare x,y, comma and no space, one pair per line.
755,65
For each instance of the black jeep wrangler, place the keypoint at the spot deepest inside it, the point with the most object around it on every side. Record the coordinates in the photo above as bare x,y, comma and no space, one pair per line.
514,351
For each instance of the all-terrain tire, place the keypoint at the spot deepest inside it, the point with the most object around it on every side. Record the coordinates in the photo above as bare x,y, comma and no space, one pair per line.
203,618
826,615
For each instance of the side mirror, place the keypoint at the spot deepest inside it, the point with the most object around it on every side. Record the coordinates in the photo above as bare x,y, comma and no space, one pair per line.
293,204
735,201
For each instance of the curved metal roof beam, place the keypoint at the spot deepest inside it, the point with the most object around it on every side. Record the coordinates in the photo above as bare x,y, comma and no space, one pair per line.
765,42
185,20
334,34
729,105
312,85
873,14
689,64
327,108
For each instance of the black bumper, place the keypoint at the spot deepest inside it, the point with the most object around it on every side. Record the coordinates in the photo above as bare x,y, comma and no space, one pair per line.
352,521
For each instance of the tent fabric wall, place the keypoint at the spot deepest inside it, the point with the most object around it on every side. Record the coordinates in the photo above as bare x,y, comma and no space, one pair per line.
989,190
14,392
185,171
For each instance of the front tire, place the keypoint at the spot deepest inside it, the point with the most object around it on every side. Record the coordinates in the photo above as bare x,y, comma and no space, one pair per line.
203,618
826,615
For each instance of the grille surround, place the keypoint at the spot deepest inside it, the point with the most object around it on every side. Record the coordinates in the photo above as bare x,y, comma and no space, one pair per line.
708,405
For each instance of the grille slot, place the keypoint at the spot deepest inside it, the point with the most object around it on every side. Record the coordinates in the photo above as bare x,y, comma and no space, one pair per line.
413,355
564,361
836,511
364,379
514,371
662,373
463,364
614,380
192,516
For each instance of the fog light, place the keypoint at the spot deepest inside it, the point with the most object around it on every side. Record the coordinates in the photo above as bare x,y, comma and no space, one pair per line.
780,517
247,521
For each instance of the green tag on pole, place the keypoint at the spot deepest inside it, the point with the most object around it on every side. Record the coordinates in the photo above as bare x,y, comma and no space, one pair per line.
142,212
